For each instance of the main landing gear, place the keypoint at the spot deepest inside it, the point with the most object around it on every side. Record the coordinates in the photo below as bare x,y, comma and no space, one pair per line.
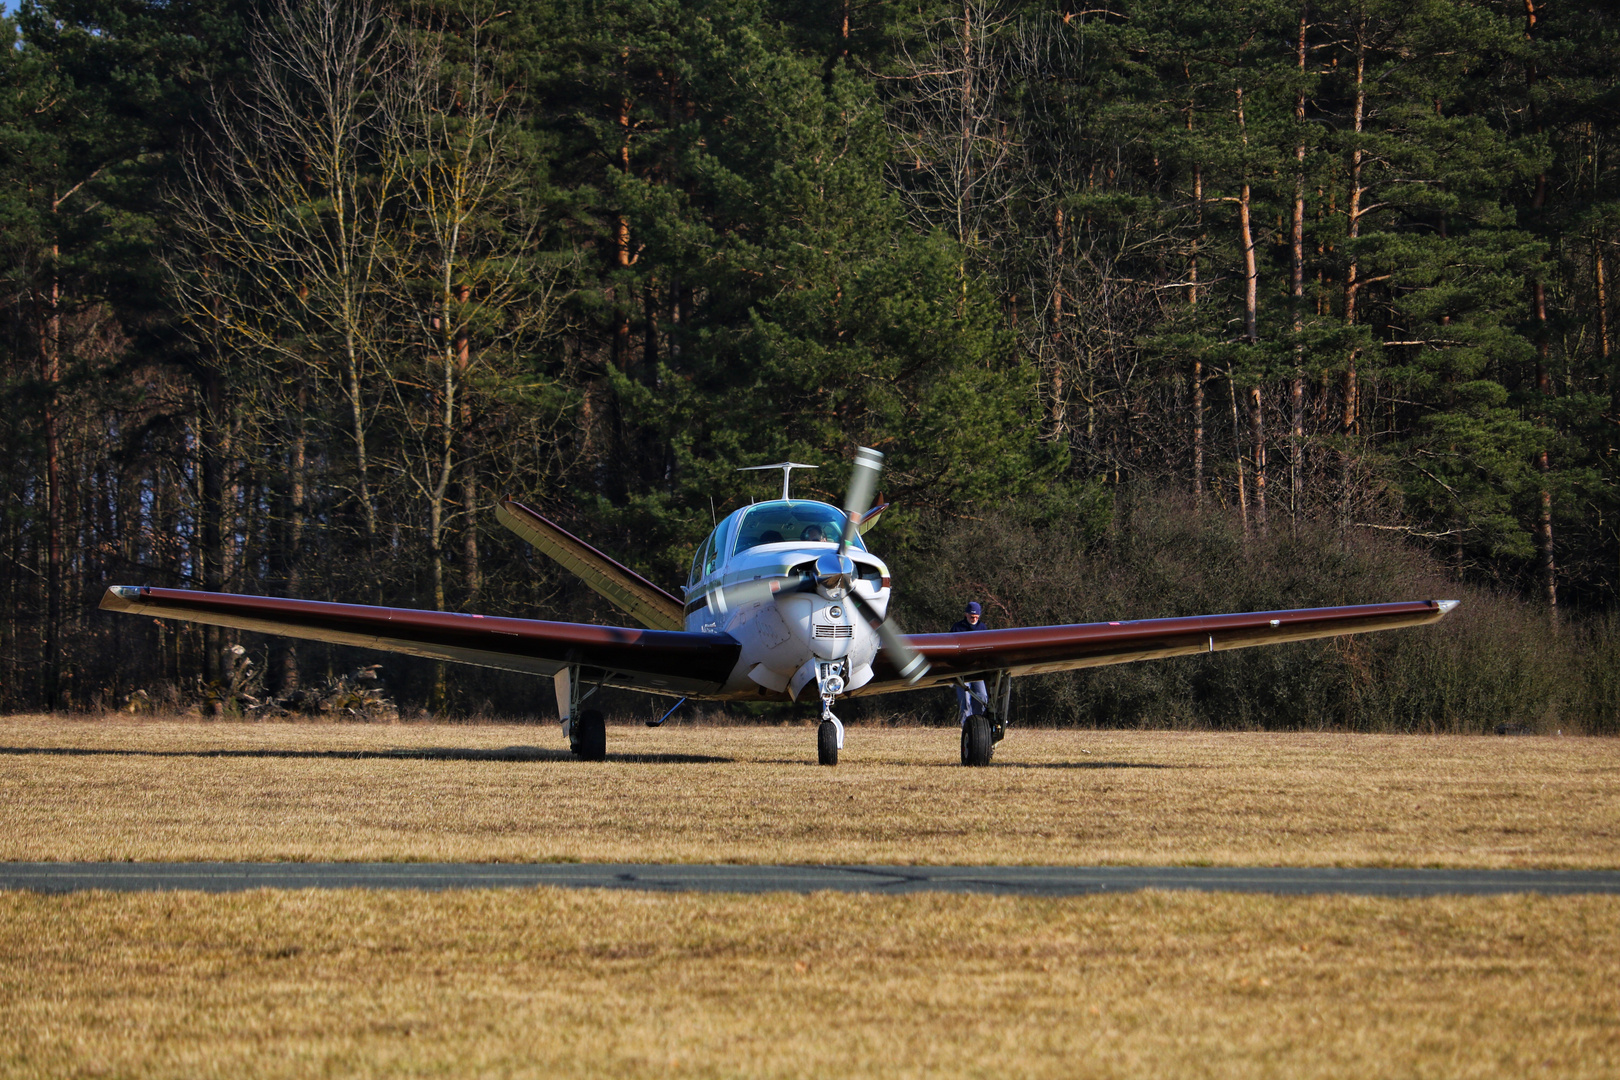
586,729
588,740
978,740
983,729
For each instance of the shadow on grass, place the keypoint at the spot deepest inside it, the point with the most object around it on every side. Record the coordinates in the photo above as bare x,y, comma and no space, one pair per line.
809,760
1085,765
427,753
1064,765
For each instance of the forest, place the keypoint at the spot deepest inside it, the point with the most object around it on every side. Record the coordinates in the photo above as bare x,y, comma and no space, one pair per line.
1157,307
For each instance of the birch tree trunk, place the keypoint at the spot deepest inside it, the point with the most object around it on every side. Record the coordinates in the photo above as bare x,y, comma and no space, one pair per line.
51,376
1538,202
1349,424
1251,335
1198,362
1296,434
1237,441
293,536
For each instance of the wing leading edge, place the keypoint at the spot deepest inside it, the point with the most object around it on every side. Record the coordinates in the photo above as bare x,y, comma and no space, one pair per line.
660,661
1033,650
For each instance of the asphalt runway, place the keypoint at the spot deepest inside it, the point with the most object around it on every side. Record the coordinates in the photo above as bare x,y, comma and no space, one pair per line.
999,880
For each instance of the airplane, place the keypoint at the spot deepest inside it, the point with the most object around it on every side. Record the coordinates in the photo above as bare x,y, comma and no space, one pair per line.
783,600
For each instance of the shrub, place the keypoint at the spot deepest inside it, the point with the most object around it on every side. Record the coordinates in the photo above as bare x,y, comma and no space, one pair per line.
1493,663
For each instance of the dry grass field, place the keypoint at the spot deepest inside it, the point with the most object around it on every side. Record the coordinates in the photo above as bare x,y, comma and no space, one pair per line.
537,983
116,788
541,982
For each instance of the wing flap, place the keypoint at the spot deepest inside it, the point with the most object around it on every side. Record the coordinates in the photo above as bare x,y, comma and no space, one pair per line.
626,589
1033,650
656,660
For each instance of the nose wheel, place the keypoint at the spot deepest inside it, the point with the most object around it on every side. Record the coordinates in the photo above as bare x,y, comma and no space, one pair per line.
827,743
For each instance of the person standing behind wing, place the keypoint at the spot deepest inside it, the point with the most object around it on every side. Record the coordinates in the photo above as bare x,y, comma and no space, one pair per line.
966,703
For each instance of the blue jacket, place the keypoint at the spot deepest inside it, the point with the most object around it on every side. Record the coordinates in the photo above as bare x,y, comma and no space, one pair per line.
963,626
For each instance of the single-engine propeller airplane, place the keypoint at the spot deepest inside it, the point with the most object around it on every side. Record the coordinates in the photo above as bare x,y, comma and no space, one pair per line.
783,598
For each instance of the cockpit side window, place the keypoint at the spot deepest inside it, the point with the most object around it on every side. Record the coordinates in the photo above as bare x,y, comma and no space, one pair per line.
703,560
711,555
696,572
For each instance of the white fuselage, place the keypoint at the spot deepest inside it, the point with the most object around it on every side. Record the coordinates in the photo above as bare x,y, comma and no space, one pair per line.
786,639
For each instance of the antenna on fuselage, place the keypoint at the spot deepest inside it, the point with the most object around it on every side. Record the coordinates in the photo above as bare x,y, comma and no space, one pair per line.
787,468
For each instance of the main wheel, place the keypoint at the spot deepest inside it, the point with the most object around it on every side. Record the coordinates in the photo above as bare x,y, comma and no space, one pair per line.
978,742
827,744
590,736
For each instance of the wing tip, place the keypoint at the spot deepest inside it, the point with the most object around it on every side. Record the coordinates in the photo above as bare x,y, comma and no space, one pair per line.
1445,606
503,508
121,597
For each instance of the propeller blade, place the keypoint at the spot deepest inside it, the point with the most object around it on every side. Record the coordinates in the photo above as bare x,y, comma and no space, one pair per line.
730,597
725,599
906,660
862,482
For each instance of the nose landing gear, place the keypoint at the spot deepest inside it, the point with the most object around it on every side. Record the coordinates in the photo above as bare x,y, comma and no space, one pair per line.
830,732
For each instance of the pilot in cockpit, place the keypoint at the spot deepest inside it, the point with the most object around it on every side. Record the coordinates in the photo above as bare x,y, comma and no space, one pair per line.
812,533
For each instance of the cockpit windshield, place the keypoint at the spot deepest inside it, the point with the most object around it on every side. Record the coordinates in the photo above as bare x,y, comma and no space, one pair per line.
792,522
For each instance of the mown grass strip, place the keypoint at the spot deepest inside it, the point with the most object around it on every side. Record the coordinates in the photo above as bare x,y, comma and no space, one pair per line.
113,789
549,982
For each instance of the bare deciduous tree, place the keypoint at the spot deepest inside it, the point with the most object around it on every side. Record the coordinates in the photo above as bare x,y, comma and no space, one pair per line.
292,209
358,222
953,135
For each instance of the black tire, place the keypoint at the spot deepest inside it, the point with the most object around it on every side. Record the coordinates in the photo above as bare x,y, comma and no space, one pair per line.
827,744
590,736
978,742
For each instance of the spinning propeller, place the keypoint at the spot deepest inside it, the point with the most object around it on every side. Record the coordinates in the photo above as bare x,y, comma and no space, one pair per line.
835,574
862,481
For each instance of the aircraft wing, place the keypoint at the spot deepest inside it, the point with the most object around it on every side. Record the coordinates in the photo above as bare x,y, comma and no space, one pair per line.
660,661
1032,650
628,590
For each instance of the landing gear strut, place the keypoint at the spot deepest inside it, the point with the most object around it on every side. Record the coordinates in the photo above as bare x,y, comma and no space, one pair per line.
830,732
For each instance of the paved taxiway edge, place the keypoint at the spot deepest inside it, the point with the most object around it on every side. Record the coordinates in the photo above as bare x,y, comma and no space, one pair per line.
60,877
